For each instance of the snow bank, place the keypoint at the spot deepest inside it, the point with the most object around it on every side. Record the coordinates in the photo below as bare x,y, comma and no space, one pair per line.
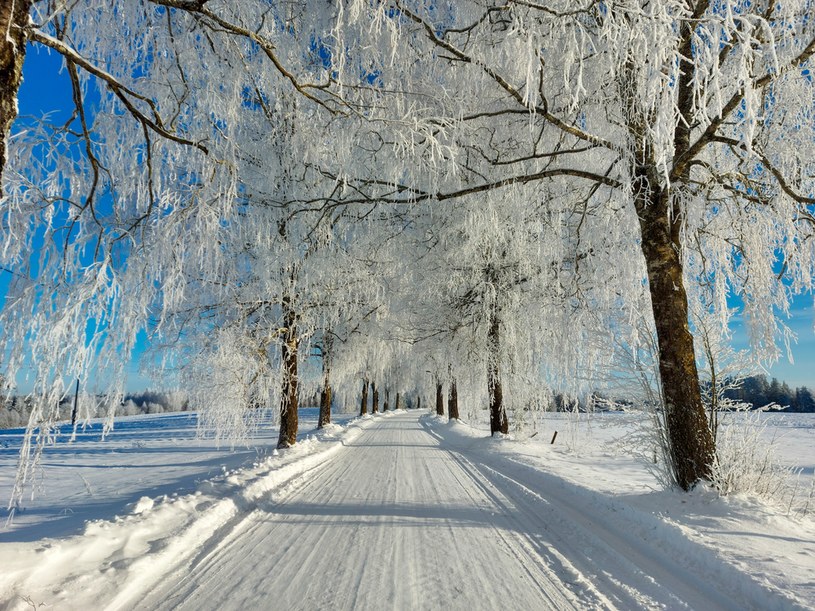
117,560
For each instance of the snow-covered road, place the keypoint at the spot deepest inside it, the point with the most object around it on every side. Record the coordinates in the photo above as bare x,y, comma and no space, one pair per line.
399,511
392,522
404,518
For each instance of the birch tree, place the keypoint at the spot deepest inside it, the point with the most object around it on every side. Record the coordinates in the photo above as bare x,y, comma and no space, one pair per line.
675,136
677,111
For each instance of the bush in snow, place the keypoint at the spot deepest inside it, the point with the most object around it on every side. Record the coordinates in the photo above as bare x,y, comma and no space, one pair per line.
746,464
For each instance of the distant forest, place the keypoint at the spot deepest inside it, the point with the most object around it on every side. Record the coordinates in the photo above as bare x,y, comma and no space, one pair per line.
759,392
14,411
756,391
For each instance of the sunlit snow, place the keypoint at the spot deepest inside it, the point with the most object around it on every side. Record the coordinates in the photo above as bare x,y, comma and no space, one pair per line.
401,510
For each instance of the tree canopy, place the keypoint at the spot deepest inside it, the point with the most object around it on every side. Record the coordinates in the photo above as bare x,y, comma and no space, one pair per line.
534,191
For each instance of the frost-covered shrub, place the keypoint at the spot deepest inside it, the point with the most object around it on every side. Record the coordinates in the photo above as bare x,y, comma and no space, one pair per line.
154,408
747,464
129,408
10,418
175,401
14,413
154,402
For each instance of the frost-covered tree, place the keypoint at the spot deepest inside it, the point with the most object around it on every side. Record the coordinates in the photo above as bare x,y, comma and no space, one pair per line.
672,138
13,18
693,119
111,219
716,98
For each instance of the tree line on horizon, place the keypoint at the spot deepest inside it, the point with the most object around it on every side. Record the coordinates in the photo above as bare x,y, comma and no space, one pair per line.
759,392
756,391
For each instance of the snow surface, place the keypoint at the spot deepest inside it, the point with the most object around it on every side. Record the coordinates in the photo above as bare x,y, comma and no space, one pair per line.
401,511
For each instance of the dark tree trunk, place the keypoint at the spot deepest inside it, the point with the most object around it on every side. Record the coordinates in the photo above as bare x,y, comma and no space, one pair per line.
498,415
452,400
325,394
691,441
387,400
691,446
398,401
419,402
325,402
325,407
439,399
76,404
288,402
13,18
375,406
363,406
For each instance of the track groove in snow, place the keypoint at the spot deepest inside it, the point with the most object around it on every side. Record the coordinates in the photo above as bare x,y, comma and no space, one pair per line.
405,519
394,521
619,558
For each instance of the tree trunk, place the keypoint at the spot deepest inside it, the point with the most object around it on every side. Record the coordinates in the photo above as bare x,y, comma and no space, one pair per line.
325,402
419,402
375,406
363,407
691,443
387,400
691,446
398,401
439,399
452,400
326,394
498,415
288,401
13,18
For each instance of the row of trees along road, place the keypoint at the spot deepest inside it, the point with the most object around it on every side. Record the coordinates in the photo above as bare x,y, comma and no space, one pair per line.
400,188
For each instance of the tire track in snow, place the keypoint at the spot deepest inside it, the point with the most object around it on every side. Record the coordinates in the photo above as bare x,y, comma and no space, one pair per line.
525,555
549,528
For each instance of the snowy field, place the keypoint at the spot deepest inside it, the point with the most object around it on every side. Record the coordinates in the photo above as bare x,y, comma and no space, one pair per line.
401,511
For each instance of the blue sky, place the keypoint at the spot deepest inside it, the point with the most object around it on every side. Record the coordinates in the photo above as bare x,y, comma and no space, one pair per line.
802,371
46,88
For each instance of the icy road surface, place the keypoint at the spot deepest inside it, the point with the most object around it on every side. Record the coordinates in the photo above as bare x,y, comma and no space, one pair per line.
399,521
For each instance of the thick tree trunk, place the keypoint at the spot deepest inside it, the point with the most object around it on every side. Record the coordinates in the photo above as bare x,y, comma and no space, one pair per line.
363,406
387,400
375,406
691,442
288,401
419,402
398,401
452,400
439,399
498,415
13,18
692,449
